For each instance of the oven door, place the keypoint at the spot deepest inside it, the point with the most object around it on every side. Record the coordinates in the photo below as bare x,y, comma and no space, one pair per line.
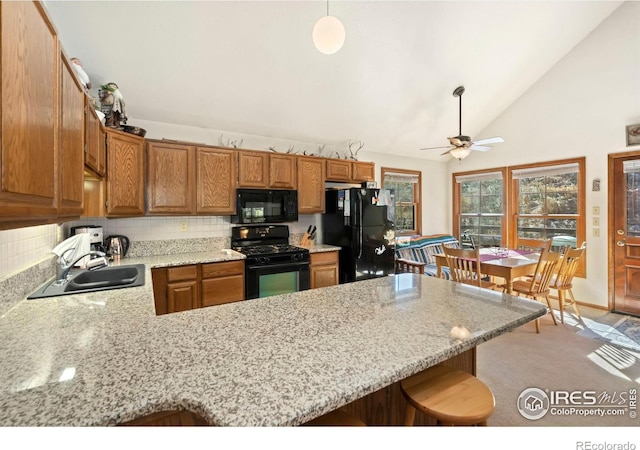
274,279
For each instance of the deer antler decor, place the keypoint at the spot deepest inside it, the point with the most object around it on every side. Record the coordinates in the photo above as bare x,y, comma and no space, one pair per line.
352,144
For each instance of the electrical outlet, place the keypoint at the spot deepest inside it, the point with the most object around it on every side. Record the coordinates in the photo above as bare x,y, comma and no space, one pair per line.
596,210
596,232
184,225
596,221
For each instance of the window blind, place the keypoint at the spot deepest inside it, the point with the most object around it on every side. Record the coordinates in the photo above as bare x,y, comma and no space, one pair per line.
631,166
479,177
394,177
560,169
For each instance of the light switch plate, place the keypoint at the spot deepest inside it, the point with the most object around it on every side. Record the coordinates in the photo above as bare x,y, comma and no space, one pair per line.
596,210
596,221
596,232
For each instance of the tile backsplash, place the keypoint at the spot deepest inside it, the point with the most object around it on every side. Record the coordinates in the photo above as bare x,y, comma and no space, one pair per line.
23,247
179,227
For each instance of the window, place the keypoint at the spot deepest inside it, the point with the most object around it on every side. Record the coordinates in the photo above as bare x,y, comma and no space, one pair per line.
548,200
500,206
407,185
479,208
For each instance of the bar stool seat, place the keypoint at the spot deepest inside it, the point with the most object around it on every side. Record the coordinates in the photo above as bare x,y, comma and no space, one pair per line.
337,418
450,396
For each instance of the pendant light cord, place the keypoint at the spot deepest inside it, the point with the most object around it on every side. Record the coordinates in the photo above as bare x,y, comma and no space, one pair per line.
327,7
460,118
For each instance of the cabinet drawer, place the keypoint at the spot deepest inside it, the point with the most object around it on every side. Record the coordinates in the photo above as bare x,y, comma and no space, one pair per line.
182,273
222,269
216,291
322,258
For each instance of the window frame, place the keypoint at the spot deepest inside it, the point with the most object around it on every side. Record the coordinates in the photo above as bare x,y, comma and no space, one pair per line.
511,197
457,192
417,198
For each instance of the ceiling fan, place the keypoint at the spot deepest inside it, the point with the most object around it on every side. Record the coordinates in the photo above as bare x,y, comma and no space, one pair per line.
460,146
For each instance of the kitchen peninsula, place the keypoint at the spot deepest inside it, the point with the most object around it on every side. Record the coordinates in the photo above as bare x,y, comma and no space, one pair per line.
105,358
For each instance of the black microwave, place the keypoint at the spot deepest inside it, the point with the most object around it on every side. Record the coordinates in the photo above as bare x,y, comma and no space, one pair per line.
265,206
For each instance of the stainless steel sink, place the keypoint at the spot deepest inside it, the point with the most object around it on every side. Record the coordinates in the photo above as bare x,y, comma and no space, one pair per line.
112,277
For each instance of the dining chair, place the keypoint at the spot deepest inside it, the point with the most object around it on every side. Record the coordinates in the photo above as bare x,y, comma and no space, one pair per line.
539,284
534,244
563,281
464,266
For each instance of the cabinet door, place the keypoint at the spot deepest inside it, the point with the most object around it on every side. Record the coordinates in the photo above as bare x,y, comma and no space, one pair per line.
171,180
125,174
323,276
338,170
95,156
363,171
182,296
282,171
323,269
71,149
216,180
227,289
29,95
253,169
311,191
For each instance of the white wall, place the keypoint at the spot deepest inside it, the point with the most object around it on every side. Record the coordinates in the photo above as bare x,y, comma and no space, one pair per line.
579,108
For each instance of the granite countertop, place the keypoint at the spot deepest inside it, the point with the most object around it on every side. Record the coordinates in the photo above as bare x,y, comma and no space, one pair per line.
319,248
105,358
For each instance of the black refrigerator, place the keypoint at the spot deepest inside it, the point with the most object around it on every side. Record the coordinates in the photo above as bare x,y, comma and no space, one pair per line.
362,222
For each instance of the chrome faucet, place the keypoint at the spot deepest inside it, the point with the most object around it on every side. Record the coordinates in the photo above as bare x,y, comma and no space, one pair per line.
63,267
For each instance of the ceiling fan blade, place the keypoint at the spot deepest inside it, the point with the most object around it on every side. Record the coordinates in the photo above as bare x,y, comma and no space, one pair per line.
493,140
480,148
433,148
447,152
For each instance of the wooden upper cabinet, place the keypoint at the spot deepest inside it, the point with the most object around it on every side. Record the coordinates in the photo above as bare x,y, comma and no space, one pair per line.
95,156
253,169
338,170
71,149
29,95
282,171
171,181
125,174
363,171
216,178
311,190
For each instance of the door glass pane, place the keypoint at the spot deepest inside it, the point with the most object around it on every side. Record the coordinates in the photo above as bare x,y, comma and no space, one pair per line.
633,203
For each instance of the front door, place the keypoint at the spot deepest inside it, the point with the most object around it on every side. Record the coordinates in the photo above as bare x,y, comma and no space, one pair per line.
625,235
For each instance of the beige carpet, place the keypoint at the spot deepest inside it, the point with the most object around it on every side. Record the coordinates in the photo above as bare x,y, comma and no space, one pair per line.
557,359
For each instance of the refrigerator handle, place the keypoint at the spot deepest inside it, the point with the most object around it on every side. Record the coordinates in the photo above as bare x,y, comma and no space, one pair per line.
358,226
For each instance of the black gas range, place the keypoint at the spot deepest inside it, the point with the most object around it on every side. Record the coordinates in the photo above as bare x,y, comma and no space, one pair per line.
272,265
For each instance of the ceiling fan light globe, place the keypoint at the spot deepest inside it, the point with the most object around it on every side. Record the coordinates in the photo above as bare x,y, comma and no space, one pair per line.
460,153
328,35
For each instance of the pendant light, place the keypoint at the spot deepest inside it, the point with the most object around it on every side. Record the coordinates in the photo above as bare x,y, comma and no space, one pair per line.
460,153
328,34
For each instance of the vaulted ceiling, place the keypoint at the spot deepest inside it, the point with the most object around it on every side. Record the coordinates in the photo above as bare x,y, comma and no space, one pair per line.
251,67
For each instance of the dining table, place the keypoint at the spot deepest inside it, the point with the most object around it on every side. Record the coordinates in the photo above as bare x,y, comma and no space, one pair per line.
500,262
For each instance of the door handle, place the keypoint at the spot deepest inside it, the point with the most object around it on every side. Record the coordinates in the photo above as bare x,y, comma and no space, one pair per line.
620,243
620,232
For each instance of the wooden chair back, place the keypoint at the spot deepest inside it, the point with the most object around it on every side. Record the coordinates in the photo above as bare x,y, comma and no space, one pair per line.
464,265
534,244
543,275
568,266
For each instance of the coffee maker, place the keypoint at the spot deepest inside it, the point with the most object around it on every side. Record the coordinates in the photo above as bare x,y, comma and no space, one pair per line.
95,235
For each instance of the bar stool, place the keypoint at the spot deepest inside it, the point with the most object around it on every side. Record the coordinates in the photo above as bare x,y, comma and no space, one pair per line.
337,418
450,396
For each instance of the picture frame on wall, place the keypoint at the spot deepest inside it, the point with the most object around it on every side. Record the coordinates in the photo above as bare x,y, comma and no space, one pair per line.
633,135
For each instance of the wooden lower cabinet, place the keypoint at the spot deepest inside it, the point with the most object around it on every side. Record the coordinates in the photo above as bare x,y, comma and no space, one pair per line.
222,283
194,286
323,270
